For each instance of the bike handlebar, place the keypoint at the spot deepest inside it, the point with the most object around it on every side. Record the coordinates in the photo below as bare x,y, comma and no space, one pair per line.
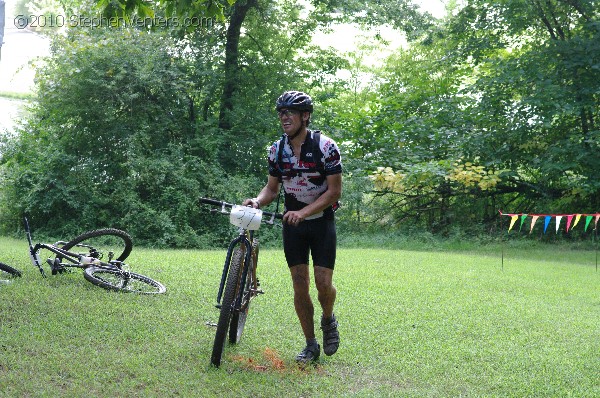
229,205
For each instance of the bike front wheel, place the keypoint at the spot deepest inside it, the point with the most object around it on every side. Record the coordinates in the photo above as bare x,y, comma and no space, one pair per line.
7,269
116,279
230,294
238,319
99,243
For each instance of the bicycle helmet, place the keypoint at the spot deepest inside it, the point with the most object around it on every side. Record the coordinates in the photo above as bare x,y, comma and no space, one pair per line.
295,100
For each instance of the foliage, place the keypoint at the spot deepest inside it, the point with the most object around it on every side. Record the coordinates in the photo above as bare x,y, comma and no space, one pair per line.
180,8
498,106
494,106
537,102
120,149
124,132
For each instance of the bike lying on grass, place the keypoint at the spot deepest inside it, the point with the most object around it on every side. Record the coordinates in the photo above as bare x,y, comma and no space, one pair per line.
239,284
87,251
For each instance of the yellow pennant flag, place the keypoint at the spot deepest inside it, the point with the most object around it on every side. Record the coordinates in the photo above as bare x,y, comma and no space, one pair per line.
513,219
577,217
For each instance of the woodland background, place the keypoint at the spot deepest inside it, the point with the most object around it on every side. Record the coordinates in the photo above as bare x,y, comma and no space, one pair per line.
494,106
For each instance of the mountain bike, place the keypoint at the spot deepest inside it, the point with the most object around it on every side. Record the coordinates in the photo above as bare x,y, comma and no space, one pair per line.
101,254
239,284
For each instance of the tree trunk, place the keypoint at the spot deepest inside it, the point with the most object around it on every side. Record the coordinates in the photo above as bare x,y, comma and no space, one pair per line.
240,9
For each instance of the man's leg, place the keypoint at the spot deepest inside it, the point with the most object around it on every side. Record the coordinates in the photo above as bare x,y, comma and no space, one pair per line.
305,311
302,302
327,292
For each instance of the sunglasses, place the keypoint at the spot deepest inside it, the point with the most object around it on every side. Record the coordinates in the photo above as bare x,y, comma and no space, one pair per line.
287,112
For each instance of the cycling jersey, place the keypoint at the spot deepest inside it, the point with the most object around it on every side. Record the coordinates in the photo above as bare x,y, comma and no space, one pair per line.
304,179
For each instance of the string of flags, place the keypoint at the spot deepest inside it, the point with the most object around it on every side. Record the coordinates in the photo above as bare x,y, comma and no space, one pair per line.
571,220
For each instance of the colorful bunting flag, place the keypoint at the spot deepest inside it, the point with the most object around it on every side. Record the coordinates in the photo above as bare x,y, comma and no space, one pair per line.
512,222
577,218
546,222
533,220
569,219
587,222
558,218
548,217
523,217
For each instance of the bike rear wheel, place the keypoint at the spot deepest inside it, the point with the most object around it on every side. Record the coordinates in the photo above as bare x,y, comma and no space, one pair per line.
238,319
100,242
7,269
230,294
124,281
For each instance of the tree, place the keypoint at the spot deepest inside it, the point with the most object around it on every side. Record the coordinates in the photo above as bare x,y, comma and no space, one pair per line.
498,105
231,78
537,91
127,122
181,8
111,141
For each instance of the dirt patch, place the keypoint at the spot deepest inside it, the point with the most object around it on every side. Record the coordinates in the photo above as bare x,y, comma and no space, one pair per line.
271,361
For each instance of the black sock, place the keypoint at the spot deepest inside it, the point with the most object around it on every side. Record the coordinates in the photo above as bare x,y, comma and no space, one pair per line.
328,320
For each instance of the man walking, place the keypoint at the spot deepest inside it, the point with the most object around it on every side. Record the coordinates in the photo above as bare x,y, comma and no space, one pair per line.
308,164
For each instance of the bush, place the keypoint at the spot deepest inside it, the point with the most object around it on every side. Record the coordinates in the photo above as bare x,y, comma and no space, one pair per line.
112,141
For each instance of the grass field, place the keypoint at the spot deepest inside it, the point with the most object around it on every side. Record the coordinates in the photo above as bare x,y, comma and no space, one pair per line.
426,323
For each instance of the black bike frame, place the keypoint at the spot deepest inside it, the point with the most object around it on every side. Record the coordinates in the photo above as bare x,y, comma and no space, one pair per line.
74,258
33,250
244,239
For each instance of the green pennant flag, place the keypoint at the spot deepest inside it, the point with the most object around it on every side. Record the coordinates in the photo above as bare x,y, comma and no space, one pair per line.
523,217
587,222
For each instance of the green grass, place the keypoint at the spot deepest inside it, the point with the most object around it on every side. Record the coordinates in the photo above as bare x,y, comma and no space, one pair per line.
413,323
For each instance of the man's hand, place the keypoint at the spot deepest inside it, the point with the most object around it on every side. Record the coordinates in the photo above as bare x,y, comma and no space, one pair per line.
252,203
293,217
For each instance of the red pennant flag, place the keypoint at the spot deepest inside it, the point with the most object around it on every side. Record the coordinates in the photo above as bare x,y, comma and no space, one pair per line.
569,218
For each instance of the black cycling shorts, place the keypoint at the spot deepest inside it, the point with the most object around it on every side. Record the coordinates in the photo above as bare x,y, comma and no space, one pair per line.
316,236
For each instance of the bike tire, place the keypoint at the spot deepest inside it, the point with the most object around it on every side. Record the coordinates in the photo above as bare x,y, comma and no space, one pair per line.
115,279
238,319
125,244
9,270
229,297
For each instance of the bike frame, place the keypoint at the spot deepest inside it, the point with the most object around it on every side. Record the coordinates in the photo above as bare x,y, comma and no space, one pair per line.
244,240
73,258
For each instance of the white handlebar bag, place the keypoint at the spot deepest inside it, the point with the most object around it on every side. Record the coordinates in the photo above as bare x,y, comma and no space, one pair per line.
245,217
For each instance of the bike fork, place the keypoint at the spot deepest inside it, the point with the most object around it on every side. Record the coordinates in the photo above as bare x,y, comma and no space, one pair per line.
33,251
226,266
